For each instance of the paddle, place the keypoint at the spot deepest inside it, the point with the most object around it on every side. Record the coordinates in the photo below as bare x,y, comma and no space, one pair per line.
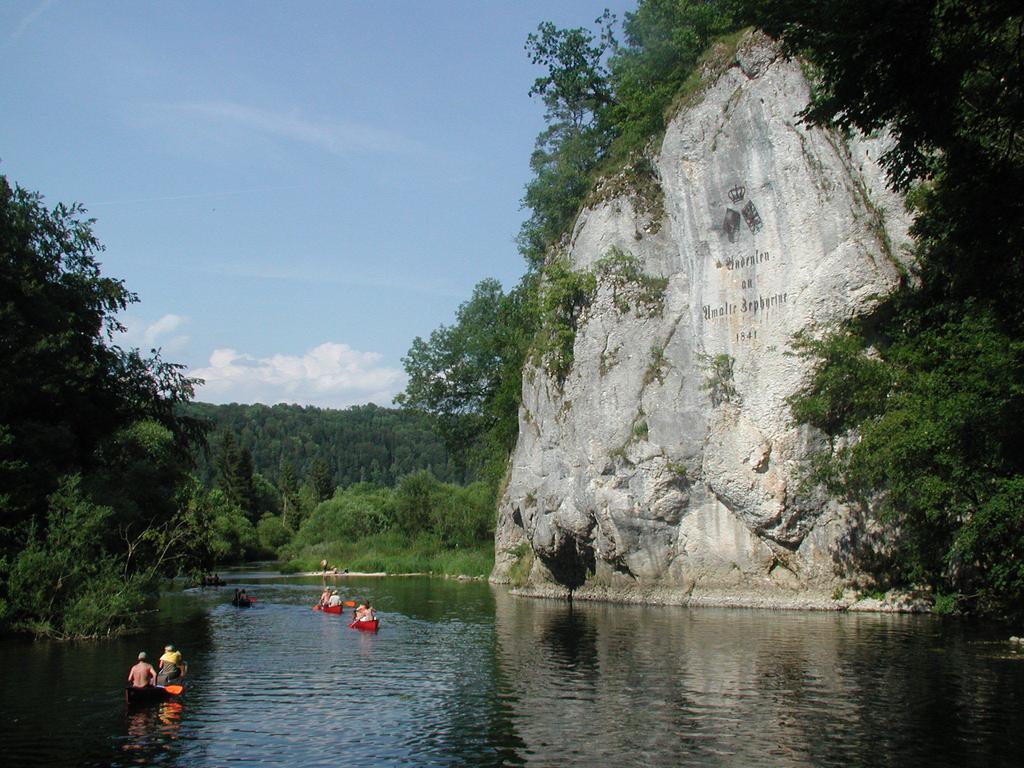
174,690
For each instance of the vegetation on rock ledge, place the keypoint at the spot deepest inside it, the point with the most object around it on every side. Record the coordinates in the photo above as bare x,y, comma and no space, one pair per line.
925,402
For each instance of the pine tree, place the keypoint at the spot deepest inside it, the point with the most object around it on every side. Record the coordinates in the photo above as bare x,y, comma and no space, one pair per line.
321,481
288,486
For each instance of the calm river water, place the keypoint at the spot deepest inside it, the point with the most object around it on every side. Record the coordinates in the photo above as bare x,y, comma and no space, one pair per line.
461,674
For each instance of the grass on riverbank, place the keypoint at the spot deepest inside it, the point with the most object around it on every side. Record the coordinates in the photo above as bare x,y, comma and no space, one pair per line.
394,553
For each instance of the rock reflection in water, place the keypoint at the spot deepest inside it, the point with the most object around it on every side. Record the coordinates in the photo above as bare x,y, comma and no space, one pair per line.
466,675
673,686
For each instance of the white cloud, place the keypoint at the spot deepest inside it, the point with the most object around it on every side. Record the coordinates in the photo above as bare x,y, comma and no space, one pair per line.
335,137
158,334
166,324
330,376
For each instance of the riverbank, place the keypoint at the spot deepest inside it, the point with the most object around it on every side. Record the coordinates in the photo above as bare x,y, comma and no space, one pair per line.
392,555
382,574
894,601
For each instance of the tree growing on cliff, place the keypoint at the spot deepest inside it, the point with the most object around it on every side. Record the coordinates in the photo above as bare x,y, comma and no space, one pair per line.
604,100
577,96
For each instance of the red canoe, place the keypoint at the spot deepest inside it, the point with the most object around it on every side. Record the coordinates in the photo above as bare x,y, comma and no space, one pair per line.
367,626
328,609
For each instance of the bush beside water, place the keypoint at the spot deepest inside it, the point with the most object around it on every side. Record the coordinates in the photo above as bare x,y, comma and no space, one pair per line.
421,526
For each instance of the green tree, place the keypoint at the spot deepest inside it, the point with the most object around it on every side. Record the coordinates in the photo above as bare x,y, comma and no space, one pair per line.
91,441
937,403
663,43
232,537
321,481
288,486
235,475
357,512
577,96
272,533
65,387
348,440
415,502
466,376
463,517
266,497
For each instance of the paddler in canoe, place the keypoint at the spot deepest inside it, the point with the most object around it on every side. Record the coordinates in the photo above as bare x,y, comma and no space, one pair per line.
335,599
142,675
325,596
365,612
144,685
172,668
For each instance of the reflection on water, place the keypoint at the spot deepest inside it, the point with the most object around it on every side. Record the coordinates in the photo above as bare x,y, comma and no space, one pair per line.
463,674
671,686
151,732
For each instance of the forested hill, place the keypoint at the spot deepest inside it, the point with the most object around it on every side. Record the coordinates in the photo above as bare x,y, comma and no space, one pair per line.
365,442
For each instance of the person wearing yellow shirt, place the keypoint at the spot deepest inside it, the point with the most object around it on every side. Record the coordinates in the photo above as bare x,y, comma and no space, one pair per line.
171,666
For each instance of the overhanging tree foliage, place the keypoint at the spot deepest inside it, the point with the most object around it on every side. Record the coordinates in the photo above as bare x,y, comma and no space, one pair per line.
937,406
92,453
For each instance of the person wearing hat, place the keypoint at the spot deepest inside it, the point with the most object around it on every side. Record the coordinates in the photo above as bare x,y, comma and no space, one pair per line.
142,675
335,600
171,665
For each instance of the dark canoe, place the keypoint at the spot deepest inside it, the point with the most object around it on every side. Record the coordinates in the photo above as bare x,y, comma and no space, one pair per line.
337,609
149,694
244,603
367,626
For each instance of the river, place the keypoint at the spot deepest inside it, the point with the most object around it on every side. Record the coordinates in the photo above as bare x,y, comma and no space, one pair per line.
462,674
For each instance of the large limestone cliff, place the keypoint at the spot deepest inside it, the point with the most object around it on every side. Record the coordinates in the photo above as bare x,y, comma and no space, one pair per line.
665,467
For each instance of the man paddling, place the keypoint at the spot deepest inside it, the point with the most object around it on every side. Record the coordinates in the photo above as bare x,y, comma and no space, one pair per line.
142,675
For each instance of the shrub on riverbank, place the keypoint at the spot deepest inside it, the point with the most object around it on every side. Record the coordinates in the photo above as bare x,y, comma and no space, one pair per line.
395,552
423,525
93,453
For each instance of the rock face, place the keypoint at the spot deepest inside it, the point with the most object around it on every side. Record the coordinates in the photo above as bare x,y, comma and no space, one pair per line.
665,466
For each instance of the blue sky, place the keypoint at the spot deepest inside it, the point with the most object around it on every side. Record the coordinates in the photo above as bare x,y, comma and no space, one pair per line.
294,190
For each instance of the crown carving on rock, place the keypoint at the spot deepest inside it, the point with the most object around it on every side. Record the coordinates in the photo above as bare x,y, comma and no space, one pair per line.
737,193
